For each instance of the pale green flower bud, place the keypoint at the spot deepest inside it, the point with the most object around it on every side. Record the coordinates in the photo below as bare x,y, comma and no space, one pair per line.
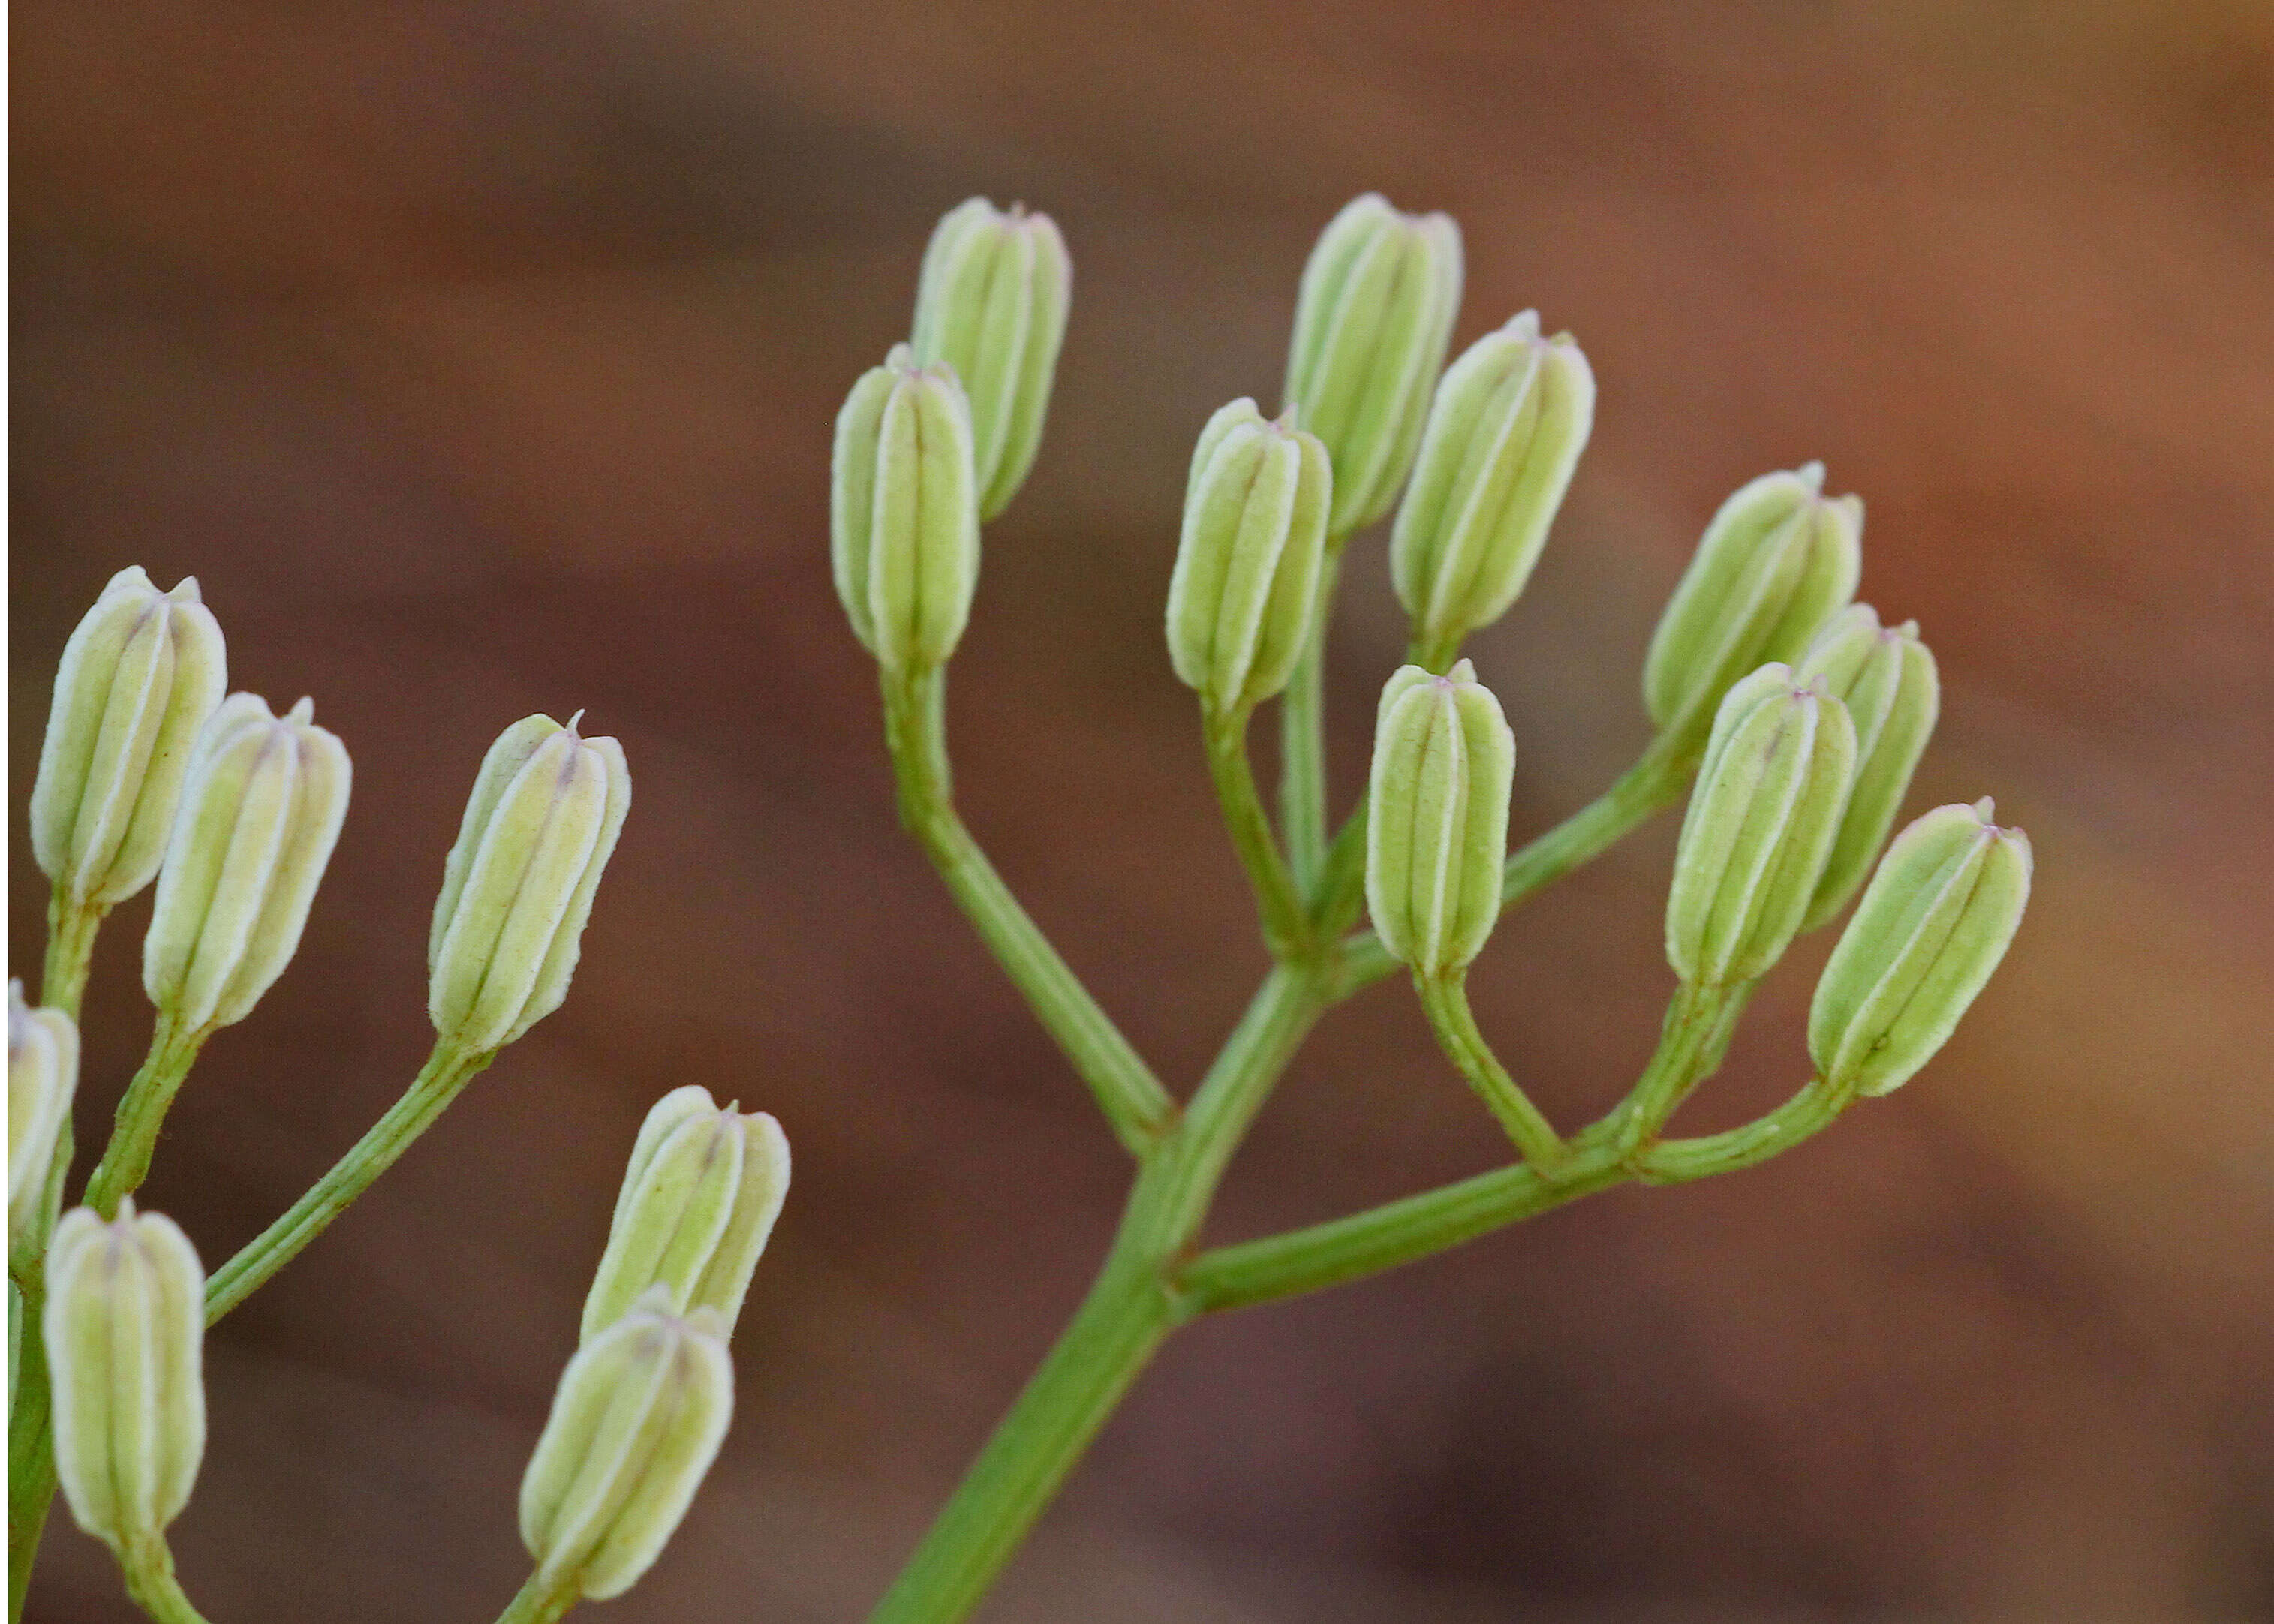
637,1420
42,1075
260,812
1886,678
518,887
1436,834
1935,920
1246,586
138,677
1509,420
125,1329
1371,326
904,511
1774,565
698,1201
1770,793
992,305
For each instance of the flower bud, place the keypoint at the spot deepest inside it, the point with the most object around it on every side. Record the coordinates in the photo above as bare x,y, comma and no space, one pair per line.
42,1075
1246,586
638,1417
904,511
698,1201
1371,326
1509,420
260,811
992,305
518,887
1774,565
1886,678
1437,817
140,676
1770,791
1933,924
126,1333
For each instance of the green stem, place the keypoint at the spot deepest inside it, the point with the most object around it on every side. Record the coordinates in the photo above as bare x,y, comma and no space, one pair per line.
1692,1039
539,1604
438,1083
71,928
150,1580
1286,923
1445,999
31,1448
141,1113
1302,736
1135,1103
1341,891
1434,655
1814,1109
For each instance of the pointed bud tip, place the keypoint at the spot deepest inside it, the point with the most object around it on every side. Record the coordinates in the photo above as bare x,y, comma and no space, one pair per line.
304,712
1812,475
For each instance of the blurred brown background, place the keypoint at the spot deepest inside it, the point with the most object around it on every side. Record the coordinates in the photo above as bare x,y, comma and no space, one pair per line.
480,360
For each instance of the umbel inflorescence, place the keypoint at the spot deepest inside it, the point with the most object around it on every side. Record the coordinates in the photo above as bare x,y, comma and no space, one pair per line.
1788,715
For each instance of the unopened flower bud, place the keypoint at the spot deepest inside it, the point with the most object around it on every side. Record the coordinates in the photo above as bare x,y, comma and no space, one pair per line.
1770,791
1505,430
126,1333
904,511
1935,920
1372,323
1886,678
992,305
698,1201
260,812
1776,561
140,676
636,1423
1444,760
518,887
42,1075
1246,586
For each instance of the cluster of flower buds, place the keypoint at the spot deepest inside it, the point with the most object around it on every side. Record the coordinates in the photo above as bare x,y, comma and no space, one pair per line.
1372,323
260,812
1246,586
1505,430
1444,760
518,887
43,1076
1886,678
1775,782
140,676
125,1334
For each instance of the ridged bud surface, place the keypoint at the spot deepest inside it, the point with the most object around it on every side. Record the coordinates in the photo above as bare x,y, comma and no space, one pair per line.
1246,586
43,1076
138,677
904,511
698,1201
1444,759
1505,430
518,887
260,812
125,1336
992,303
637,1422
1933,924
1372,323
1775,563
1770,793
1886,678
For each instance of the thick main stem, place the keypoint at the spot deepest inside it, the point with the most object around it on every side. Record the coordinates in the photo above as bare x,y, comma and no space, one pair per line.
31,1446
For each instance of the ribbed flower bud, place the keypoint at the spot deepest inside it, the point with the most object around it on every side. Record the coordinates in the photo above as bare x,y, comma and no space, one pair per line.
1776,561
1437,816
138,677
1505,430
42,1075
698,1201
904,511
260,812
518,887
1935,920
1770,791
1372,323
125,1334
638,1417
992,305
1246,586
1886,678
